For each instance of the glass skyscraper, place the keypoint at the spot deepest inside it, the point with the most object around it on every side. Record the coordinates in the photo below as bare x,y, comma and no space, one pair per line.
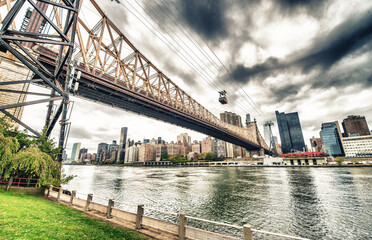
75,151
331,137
290,132
123,137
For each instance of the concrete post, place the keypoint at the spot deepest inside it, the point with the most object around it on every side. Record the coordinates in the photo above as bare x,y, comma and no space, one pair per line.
73,195
50,189
182,226
247,232
89,200
59,193
109,208
46,193
139,216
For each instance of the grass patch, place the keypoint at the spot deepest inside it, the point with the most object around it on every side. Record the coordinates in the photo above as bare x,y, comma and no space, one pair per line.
32,217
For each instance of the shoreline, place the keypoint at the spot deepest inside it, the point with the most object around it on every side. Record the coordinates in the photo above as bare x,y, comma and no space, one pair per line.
223,164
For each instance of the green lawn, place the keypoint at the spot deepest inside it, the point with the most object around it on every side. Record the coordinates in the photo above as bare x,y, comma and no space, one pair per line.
31,217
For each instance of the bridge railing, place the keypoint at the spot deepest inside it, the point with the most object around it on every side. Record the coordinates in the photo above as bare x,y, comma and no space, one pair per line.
177,226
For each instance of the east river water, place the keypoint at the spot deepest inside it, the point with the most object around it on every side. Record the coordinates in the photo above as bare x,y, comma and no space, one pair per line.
315,203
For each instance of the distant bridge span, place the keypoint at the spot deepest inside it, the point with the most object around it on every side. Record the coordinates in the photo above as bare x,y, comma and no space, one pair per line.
108,68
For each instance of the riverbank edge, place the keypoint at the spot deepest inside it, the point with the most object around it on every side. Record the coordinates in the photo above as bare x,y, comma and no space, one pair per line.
39,202
151,227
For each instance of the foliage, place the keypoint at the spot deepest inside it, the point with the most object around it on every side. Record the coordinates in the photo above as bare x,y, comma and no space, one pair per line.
47,145
24,156
33,163
8,147
164,156
8,130
339,160
206,156
177,157
31,217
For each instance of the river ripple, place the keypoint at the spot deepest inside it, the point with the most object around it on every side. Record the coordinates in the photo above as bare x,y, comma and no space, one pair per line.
316,203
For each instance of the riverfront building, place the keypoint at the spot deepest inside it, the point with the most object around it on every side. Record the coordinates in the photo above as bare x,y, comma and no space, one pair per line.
207,145
75,151
131,154
113,146
219,148
355,125
195,147
358,146
290,132
160,149
102,150
82,153
183,138
331,138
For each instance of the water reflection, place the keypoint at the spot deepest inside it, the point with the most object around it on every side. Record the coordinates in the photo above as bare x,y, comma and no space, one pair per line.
308,214
316,203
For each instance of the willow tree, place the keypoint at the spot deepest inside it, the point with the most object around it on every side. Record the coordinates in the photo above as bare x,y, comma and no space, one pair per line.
34,163
23,156
8,147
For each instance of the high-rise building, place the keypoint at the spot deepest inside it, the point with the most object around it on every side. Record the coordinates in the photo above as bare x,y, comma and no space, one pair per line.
355,125
290,132
113,146
102,149
331,138
229,150
131,154
316,144
147,152
123,137
160,149
184,138
173,149
231,118
195,147
82,151
219,148
248,119
75,151
207,145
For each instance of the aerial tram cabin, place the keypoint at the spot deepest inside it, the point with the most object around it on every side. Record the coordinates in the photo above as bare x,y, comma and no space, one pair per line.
222,98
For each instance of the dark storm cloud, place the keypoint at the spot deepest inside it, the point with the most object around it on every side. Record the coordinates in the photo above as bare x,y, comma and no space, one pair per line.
349,37
206,17
312,7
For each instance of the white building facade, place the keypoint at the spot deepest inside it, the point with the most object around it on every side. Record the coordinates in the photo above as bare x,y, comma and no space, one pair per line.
358,146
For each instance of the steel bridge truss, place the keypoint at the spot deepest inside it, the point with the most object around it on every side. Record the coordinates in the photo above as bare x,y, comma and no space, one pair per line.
22,45
104,50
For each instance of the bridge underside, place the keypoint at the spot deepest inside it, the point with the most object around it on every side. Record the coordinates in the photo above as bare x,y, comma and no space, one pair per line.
98,89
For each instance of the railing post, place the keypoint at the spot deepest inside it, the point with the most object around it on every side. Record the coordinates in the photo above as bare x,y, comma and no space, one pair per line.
247,232
73,195
50,189
59,193
89,200
46,193
109,208
140,211
182,226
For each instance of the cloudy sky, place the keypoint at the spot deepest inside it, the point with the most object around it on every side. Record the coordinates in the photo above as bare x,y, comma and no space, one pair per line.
310,57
